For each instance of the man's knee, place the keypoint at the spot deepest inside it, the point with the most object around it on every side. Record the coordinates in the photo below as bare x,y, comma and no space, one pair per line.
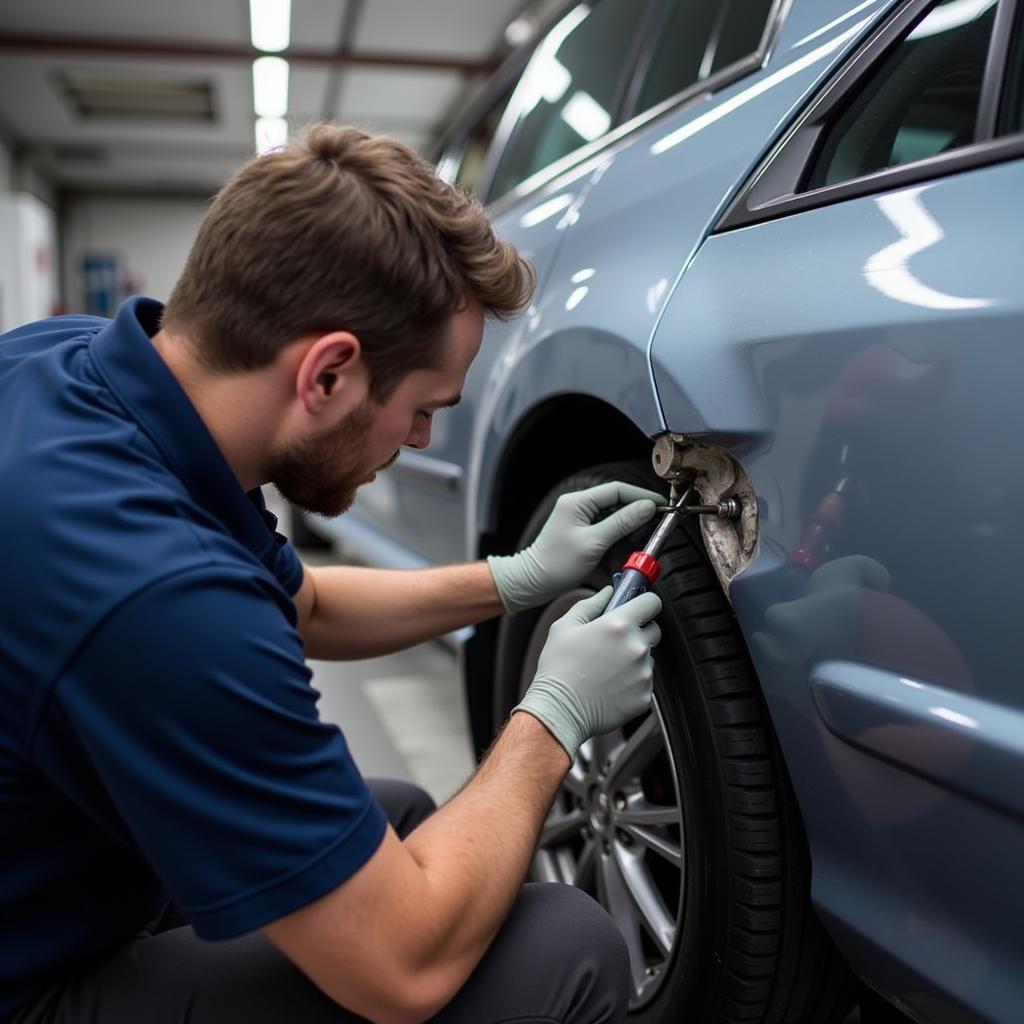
573,937
569,915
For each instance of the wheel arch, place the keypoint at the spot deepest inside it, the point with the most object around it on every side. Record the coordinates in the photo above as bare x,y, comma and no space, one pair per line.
555,438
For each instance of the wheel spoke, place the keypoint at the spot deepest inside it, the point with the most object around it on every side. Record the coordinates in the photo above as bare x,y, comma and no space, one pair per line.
604,748
613,893
646,899
558,829
640,812
576,781
586,865
637,752
661,845
546,867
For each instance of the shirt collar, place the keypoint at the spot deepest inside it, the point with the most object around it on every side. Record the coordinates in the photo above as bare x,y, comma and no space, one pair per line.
140,378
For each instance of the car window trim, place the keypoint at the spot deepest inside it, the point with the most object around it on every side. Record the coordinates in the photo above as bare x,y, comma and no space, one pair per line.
721,78
995,71
773,190
716,83
506,127
451,146
642,48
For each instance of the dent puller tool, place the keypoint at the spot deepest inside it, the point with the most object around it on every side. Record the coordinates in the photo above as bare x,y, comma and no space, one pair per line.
642,568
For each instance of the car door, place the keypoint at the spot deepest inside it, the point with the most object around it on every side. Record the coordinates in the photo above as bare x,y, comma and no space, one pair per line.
853,330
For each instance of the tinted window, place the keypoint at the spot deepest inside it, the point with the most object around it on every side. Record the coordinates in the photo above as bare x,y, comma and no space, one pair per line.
700,38
922,101
1011,118
566,96
478,142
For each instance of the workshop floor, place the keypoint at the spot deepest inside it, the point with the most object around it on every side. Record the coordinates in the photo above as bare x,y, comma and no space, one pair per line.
402,715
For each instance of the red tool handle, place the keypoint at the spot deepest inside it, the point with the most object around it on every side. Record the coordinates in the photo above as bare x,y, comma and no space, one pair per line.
644,563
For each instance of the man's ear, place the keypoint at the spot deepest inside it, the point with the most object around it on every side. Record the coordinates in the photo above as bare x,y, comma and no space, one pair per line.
331,370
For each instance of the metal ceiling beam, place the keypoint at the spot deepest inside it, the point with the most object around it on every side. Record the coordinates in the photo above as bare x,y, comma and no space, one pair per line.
184,50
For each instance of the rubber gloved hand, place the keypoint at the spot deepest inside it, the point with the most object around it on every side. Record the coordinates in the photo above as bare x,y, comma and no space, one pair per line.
595,672
824,623
570,544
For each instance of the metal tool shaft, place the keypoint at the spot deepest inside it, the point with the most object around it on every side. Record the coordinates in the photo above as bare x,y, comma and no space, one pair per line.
630,583
727,509
666,526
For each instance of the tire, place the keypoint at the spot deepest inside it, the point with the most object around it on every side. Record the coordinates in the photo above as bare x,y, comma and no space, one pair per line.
683,824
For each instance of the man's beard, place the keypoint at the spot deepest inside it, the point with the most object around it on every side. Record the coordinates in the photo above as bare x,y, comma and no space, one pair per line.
322,474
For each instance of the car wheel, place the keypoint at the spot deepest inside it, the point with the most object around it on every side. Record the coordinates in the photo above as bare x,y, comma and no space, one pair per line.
682,824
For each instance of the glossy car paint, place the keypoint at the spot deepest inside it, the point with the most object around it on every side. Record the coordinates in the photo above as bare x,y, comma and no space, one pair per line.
590,330
585,324
875,340
892,328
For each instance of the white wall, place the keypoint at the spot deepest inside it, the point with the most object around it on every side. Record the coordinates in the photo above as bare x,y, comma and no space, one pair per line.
28,260
150,236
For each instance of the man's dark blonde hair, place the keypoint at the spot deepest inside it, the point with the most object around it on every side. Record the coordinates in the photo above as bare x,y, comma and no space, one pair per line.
341,230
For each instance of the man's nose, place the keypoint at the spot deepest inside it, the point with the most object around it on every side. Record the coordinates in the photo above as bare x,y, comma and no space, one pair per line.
419,436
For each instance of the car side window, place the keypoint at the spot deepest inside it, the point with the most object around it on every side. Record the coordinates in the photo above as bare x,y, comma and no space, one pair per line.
699,39
922,100
1011,117
478,144
567,94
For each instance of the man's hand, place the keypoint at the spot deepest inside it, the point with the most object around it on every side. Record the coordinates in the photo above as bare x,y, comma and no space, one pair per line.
595,671
823,623
570,544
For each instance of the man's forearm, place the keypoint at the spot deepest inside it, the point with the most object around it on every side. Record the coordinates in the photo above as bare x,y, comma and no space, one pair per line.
362,613
399,938
475,851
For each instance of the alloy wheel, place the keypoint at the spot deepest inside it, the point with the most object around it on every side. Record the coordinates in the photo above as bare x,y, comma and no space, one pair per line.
616,830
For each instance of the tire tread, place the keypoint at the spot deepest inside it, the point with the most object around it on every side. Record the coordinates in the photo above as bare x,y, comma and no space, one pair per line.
777,964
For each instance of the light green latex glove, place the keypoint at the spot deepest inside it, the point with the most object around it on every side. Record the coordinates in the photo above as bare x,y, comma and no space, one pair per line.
825,621
595,672
570,544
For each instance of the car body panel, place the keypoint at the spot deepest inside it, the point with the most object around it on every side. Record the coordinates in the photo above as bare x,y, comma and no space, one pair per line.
633,192
402,499
873,341
874,351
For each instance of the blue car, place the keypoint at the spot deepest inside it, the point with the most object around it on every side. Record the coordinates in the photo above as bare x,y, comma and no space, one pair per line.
784,242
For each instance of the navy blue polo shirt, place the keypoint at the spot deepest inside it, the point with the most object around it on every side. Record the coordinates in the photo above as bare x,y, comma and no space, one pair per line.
158,731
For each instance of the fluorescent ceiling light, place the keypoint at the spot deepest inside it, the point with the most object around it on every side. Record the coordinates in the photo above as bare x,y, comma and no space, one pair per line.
271,133
270,86
519,31
270,24
951,15
585,116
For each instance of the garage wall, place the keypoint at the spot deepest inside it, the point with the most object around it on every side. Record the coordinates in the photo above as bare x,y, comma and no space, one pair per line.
149,237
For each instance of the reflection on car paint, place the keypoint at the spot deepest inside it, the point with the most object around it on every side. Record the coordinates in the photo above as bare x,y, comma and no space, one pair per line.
889,271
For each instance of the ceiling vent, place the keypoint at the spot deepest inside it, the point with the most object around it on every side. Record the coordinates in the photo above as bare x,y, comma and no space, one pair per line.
108,96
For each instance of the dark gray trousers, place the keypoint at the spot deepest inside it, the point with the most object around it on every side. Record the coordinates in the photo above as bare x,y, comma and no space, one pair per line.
557,960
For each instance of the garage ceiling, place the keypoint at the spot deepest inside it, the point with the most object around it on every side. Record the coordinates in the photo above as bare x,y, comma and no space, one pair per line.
70,68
